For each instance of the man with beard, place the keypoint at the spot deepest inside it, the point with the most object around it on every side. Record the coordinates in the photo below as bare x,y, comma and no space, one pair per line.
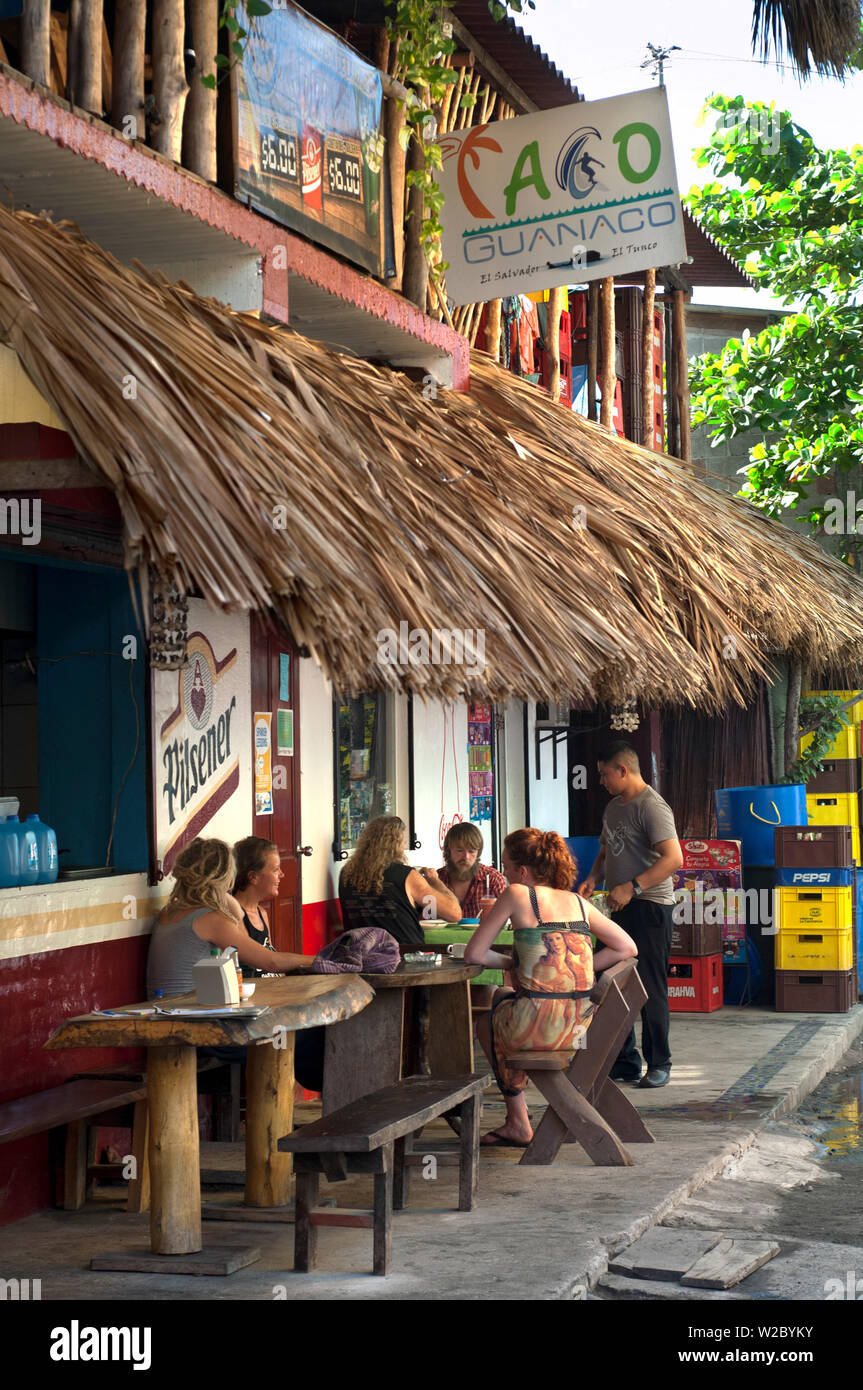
463,873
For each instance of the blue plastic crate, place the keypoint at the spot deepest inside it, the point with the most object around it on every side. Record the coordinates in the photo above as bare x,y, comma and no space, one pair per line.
811,878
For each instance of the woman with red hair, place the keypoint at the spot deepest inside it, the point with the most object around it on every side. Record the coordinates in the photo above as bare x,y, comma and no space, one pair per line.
553,962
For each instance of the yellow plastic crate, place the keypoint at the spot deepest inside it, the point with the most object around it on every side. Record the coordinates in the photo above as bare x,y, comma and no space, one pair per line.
798,909
815,949
833,808
847,745
854,715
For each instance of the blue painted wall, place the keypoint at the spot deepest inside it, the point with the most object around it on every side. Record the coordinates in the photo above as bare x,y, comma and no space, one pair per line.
87,719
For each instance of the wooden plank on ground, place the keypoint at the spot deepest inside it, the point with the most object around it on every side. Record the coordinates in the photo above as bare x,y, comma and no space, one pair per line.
215,1260
664,1254
728,1263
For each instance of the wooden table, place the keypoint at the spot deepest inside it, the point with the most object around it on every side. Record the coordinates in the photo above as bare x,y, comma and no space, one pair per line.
298,1001
365,1053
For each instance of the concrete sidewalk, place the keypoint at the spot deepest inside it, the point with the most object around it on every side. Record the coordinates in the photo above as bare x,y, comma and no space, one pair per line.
538,1233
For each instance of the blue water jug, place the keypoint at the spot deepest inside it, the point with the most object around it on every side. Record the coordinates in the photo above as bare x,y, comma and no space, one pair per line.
28,854
9,857
46,844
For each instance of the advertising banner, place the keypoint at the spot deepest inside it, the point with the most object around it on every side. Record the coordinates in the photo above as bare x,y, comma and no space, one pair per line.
202,729
309,146
560,197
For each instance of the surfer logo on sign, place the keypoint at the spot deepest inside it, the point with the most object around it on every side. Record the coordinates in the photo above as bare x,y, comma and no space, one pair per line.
573,171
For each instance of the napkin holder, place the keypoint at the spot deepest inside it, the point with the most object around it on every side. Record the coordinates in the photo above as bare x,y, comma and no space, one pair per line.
216,980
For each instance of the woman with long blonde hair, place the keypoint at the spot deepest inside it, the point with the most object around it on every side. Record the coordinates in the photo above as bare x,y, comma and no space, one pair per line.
378,888
201,913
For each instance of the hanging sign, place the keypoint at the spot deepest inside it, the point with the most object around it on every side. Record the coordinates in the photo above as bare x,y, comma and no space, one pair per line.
560,197
309,144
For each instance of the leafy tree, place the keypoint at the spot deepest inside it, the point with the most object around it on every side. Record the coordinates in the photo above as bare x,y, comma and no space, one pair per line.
793,214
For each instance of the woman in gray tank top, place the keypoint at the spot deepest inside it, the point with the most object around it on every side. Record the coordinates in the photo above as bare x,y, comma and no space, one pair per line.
199,914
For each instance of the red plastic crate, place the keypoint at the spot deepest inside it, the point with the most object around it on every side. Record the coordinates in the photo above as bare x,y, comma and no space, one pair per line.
695,984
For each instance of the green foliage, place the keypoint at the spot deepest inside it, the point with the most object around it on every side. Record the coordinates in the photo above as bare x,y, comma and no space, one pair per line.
424,42
255,9
794,215
824,717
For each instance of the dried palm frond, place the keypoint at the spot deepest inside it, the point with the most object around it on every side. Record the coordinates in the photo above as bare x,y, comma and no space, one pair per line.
819,34
275,474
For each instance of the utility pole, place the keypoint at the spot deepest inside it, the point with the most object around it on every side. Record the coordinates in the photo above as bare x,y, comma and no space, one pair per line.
658,58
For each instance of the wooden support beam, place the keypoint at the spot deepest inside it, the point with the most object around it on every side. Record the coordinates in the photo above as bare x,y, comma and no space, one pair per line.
682,384
608,372
394,123
36,40
415,280
85,55
647,382
199,121
170,88
519,99
492,329
127,105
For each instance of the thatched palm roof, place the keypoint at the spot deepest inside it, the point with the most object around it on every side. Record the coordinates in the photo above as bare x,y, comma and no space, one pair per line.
595,569
819,34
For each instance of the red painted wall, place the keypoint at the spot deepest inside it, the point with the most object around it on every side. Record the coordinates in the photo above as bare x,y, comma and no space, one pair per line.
38,993
321,923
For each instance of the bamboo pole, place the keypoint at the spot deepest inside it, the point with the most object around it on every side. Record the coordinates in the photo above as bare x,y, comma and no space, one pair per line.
36,40
170,88
85,55
552,341
199,121
395,117
647,382
127,107
682,384
492,329
608,372
592,341
415,279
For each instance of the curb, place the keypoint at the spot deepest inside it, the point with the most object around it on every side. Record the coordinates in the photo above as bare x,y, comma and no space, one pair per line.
588,1277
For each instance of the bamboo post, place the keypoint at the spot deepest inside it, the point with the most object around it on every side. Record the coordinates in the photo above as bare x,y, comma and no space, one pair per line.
395,117
199,121
552,341
792,709
492,328
608,372
85,55
592,342
671,411
415,279
36,40
170,88
174,1150
127,106
647,383
682,384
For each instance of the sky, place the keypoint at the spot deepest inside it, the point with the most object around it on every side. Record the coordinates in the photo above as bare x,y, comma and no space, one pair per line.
601,47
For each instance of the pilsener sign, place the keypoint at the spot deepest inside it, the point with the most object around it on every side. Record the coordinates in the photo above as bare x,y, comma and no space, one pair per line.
560,197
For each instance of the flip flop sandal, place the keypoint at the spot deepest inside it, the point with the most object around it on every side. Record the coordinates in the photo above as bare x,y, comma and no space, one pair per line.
493,1140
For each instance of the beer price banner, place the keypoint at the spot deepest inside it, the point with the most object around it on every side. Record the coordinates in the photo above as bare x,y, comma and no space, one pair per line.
560,197
309,147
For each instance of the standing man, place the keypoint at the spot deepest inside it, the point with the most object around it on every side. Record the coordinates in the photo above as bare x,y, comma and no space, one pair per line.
463,873
639,850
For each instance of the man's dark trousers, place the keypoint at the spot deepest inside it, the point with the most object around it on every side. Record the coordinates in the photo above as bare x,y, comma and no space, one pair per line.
650,925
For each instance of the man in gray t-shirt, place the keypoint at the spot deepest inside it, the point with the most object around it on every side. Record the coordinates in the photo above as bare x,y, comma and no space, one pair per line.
639,851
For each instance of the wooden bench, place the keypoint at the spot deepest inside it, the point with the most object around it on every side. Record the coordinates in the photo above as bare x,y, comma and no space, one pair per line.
584,1104
373,1135
75,1104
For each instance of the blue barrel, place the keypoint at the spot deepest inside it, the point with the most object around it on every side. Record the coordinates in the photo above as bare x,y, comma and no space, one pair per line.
751,814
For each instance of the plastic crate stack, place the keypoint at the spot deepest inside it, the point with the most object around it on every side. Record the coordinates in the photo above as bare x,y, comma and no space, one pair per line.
815,919
833,797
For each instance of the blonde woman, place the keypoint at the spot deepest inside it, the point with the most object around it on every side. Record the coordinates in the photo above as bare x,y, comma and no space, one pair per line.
379,889
200,913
